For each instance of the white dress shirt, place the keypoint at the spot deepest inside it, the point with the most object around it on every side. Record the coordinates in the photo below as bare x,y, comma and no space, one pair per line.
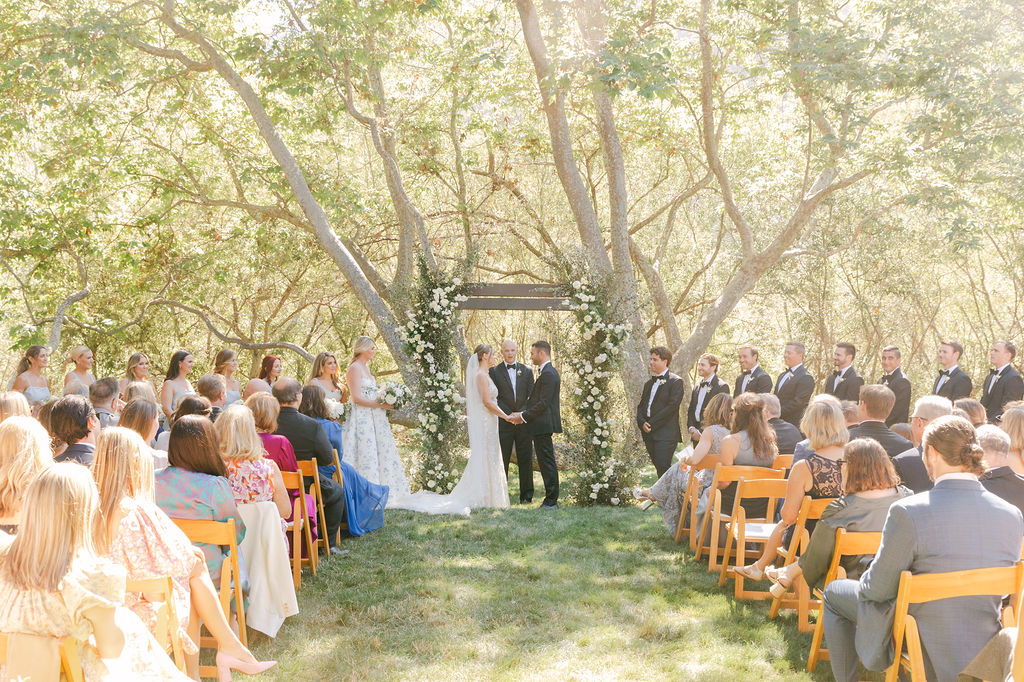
654,389
840,377
786,375
746,378
702,393
995,377
512,377
945,377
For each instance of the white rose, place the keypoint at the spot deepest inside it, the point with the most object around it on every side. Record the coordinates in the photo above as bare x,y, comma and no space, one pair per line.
584,306
593,496
431,483
614,500
594,391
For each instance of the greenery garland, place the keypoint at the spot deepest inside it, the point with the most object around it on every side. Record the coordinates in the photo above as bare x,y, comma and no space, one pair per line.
428,341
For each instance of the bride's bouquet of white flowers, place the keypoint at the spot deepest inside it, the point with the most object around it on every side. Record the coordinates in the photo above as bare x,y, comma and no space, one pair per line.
394,394
335,409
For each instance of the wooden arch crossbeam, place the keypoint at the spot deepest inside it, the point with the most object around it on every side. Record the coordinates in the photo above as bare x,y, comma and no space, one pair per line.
514,297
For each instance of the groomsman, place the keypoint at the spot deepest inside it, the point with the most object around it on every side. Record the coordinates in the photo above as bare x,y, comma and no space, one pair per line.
897,383
707,388
753,379
657,414
515,382
794,386
1003,384
844,383
952,382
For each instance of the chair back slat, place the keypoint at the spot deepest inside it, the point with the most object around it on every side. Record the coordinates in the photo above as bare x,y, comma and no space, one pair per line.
850,543
210,532
783,462
292,480
707,462
734,472
923,587
816,508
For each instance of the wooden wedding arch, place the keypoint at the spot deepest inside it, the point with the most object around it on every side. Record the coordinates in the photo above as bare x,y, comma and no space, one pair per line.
514,297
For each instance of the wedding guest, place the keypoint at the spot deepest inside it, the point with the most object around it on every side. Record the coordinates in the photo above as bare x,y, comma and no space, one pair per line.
137,535
1004,383
195,485
752,379
325,375
309,441
910,464
903,430
56,444
669,488
13,404
1005,473
657,414
786,435
143,417
851,413
24,454
870,486
1013,425
952,382
364,501
794,386
956,526
875,404
803,448
214,389
751,443
270,370
189,405
253,477
29,378
140,390
79,379
54,585
226,364
136,371
176,384
74,422
898,383
102,395
844,383
973,411
515,382
707,388
817,476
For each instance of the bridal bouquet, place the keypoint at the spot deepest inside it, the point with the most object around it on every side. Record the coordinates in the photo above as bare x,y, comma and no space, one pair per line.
335,409
394,394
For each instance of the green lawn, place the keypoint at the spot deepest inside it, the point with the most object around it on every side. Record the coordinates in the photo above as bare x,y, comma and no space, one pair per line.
578,593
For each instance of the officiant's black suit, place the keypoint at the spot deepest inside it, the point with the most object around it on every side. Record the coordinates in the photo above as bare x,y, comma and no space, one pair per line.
1008,387
665,433
543,416
512,400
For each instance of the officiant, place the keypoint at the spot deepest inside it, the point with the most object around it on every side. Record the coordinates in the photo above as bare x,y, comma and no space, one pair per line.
657,415
515,382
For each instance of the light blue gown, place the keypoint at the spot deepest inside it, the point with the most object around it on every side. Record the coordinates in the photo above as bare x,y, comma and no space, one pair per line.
364,501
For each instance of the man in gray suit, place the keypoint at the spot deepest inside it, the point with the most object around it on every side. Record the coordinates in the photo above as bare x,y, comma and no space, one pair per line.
955,526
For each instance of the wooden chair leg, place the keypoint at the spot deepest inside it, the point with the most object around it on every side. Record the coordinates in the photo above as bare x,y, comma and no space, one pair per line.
817,653
803,605
726,553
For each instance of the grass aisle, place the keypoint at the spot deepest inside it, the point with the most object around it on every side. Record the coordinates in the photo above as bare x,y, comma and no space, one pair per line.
597,593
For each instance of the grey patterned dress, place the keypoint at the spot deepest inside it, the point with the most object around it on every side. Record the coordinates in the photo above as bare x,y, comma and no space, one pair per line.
671,487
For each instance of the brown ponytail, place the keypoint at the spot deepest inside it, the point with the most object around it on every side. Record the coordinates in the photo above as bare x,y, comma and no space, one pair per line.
748,415
956,442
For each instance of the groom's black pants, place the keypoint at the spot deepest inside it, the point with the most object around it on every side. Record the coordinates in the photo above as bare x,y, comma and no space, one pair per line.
660,452
545,450
519,436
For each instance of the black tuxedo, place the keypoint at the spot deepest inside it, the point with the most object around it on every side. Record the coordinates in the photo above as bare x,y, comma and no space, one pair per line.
663,418
542,414
786,435
848,388
893,442
693,419
518,435
900,385
1008,387
912,472
795,394
957,386
759,382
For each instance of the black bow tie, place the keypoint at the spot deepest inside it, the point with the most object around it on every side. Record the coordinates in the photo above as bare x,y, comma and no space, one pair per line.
745,372
510,366
993,371
658,377
837,373
945,372
704,383
788,371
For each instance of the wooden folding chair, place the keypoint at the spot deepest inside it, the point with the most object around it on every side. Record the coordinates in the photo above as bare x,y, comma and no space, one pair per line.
847,544
926,587
70,664
739,531
168,626
309,469
784,462
799,595
337,467
690,498
300,528
714,515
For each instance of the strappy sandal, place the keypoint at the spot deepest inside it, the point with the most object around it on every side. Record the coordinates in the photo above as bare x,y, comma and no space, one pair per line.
751,572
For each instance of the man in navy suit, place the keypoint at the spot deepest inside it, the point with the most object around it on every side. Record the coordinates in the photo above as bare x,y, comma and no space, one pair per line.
657,413
515,382
753,379
794,386
952,382
1003,383
844,383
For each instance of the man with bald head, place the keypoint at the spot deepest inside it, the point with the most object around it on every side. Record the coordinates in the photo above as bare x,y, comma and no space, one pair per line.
910,464
514,381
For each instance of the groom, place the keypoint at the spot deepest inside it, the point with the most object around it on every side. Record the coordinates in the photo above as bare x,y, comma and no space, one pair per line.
515,382
542,415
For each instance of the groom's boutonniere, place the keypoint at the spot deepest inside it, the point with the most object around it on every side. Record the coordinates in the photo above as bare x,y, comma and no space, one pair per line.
519,371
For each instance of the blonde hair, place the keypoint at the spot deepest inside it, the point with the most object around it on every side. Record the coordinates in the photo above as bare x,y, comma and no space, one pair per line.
224,357
14,404
318,368
24,453
75,353
123,467
361,345
57,528
133,362
236,432
265,409
824,424
139,390
1013,423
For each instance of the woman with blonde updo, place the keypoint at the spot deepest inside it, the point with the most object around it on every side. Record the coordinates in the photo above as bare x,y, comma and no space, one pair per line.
24,454
80,378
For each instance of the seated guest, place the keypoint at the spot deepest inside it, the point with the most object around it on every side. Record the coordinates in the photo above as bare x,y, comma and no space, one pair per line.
213,388
313,405
751,443
1005,473
138,536
253,477
24,454
102,394
270,370
13,404
786,435
794,386
870,486
670,488
851,413
707,388
910,464
1013,424
955,526
803,448
844,383
53,584
139,389
1004,383
309,441
195,485
903,430
143,417
974,410
188,405
56,444
875,403
898,382
74,422
753,379
818,476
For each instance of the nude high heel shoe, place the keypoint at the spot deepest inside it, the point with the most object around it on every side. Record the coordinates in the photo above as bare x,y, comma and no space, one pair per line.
226,663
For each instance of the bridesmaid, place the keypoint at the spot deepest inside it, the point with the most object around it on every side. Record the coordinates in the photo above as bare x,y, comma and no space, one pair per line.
270,370
80,376
137,371
226,364
325,375
29,378
176,384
